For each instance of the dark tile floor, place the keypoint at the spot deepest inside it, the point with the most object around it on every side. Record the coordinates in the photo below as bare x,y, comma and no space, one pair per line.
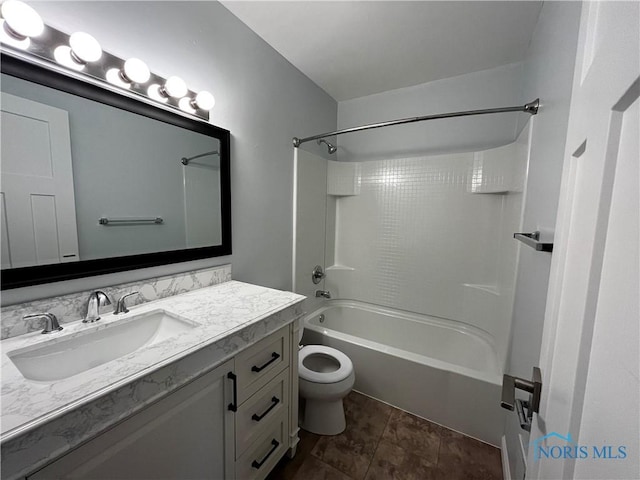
384,443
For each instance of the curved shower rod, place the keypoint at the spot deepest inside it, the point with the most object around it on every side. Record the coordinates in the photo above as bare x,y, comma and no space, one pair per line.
531,107
186,160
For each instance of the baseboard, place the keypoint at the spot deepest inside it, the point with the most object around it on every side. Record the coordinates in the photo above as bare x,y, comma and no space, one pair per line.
504,454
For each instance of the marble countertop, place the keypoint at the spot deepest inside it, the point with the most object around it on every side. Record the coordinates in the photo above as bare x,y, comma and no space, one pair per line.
221,311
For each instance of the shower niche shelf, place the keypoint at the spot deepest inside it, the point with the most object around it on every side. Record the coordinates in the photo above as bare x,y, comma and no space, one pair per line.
343,268
533,241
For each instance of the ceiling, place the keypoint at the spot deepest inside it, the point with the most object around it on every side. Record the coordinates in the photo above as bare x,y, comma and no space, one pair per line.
356,48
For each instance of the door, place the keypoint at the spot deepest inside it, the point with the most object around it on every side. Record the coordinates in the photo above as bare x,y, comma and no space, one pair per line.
589,414
187,434
37,204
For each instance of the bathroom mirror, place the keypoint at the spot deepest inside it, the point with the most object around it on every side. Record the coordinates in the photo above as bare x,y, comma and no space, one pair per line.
96,182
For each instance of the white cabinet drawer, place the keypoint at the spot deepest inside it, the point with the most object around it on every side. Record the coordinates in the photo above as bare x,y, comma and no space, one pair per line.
255,415
261,362
263,454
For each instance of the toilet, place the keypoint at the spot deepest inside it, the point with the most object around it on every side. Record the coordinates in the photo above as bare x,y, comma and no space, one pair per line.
326,376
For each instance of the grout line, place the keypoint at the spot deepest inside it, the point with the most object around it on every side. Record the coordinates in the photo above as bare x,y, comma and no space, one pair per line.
439,448
379,438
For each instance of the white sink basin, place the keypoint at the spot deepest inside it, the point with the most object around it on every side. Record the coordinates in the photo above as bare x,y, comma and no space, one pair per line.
62,358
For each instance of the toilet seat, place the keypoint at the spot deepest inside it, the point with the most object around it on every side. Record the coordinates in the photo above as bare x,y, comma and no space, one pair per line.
345,369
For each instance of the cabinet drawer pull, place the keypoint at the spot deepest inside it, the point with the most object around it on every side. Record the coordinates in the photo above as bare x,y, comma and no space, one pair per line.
256,464
233,406
257,417
274,357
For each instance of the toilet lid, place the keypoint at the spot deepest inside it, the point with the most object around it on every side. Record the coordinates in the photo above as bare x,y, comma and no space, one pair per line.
345,369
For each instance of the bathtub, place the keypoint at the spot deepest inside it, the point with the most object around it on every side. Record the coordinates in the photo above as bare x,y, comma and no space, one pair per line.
441,370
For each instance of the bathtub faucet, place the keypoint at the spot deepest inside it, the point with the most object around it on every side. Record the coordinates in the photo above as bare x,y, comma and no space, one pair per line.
323,293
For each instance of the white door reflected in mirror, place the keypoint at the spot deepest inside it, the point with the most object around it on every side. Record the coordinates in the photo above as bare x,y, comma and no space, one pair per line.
37,204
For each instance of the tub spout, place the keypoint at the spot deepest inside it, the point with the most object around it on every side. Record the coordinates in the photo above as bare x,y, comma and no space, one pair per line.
323,293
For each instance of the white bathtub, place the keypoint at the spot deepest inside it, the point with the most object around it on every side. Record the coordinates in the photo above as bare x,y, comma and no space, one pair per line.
441,370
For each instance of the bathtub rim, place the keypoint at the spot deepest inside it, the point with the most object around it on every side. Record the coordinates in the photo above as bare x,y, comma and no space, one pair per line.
494,376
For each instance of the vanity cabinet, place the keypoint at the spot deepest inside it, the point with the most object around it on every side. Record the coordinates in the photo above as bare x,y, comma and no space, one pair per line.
232,422
187,434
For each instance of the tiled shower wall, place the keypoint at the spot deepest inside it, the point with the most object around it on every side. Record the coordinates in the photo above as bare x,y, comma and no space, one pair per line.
432,235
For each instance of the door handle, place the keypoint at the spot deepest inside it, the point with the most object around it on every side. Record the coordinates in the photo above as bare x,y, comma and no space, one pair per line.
533,387
233,406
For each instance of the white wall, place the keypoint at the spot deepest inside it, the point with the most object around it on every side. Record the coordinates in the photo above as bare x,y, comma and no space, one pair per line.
497,87
548,74
260,97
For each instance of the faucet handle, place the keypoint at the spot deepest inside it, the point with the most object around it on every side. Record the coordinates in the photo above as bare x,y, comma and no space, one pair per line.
121,305
51,321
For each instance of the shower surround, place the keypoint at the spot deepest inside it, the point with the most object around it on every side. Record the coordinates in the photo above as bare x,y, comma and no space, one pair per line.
429,235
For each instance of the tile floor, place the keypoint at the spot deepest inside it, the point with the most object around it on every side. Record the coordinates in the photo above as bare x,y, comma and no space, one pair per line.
382,442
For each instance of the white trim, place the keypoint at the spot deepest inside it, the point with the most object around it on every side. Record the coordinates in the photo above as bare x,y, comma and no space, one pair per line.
504,454
294,223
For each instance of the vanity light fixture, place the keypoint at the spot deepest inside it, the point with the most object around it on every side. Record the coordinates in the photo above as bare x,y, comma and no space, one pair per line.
20,22
21,28
204,101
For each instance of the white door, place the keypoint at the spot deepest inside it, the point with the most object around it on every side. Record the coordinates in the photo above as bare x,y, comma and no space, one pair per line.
37,199
589,410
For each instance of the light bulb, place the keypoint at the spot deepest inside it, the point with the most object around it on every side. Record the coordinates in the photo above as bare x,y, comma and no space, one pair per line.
204,101
84,48
174,87
135,70
185,105
63,56
10,39
21,20
154,92
114,76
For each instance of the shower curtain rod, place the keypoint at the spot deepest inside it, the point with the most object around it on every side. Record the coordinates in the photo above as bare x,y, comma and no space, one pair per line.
531,107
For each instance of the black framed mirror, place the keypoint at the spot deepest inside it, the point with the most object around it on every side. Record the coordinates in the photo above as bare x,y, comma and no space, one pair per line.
96,182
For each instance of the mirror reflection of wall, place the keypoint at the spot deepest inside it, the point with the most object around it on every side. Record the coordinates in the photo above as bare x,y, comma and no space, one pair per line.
123,165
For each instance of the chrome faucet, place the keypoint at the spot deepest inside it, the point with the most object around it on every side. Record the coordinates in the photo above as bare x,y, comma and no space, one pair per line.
97,299
323,293
51,322
121,305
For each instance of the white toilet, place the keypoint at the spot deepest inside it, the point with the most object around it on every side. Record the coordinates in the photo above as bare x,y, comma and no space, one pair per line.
326,376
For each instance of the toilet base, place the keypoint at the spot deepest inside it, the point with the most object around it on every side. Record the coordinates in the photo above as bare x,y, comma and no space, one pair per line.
324,418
